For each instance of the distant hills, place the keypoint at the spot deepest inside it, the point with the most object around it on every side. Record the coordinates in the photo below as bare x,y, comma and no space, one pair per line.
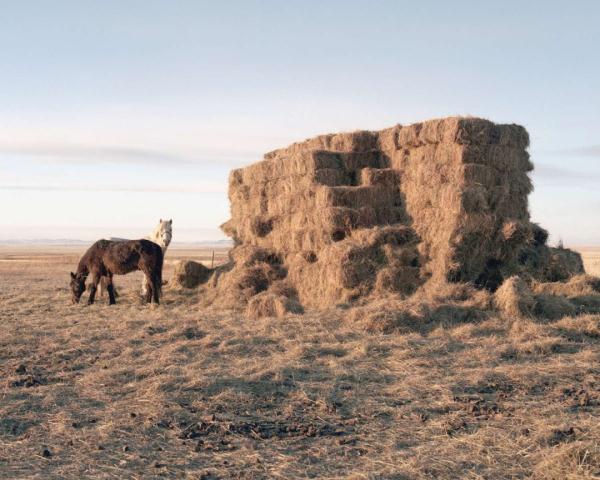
42,241
75,242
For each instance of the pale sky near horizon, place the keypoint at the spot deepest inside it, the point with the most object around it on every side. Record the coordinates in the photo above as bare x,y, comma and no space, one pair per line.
116,113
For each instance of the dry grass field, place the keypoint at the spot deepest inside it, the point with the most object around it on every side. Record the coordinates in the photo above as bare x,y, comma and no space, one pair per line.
130,391
591,259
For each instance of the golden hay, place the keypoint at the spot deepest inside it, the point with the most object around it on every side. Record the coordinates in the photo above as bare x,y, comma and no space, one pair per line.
350,217
189,274
547,264
514,298
181,391
576,286
431,306
232,288
385,320
270,305
551,307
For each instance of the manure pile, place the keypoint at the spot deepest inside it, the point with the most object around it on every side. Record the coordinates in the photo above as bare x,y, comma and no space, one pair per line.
352,217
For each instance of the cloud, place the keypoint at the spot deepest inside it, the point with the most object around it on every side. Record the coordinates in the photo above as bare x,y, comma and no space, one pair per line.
544,171
98,154
590,151
201,187
568,176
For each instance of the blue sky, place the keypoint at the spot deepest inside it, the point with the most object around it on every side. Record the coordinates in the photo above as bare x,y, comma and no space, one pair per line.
116,113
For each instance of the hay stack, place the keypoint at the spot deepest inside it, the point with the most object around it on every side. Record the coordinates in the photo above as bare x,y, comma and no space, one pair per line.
347,217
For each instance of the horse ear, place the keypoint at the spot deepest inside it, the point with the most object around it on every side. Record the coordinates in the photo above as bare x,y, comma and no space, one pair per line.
171,221
160,220
72,275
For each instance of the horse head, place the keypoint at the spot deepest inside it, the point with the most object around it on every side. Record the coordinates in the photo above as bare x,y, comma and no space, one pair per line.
164,232
77,286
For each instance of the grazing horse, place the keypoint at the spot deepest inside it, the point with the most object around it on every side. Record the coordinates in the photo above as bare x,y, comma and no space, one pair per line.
162,236
106,258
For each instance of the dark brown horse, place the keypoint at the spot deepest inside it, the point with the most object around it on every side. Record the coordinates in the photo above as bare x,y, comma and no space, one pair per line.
106,258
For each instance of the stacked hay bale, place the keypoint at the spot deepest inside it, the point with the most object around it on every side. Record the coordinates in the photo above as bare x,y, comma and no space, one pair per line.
344,217
466,185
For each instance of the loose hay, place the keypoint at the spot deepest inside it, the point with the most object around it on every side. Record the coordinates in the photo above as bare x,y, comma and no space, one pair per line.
270,305
576,286
204,393
514,298
552,307
547,264
189,274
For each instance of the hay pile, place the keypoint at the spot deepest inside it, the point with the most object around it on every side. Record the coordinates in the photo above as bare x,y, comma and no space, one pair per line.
267,304
514,298
431,306
189,274
549,300
348,218
549,264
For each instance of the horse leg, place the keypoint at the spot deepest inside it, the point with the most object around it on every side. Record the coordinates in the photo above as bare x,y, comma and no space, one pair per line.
94,285
148,283
110,289
102,287
156,287
145,287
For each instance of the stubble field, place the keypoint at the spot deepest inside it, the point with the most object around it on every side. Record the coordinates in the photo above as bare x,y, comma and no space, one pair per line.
130,391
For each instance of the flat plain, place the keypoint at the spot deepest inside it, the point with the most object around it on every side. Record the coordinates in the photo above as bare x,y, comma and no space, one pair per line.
176,391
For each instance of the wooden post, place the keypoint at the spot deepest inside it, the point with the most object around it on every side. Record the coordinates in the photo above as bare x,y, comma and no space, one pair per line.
212,263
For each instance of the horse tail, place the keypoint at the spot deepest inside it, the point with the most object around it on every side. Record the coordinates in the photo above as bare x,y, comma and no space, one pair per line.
161,259
157,276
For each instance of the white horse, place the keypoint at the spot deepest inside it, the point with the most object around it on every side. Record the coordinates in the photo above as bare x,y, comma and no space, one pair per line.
162,236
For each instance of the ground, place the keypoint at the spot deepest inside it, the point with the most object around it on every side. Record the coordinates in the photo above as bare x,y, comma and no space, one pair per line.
131,391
